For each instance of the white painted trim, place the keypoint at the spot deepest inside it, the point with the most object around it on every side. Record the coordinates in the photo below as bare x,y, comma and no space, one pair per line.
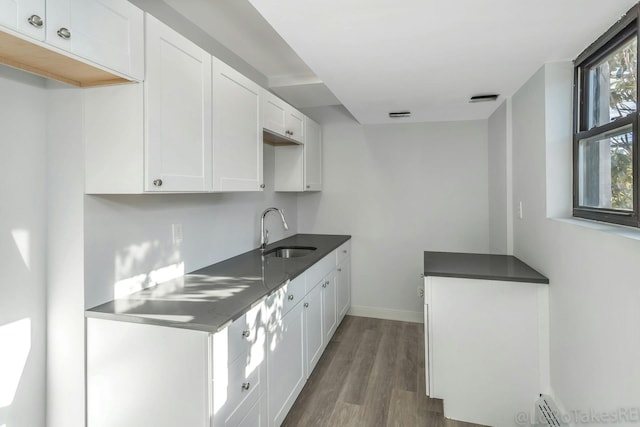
509,156
387,314
284,80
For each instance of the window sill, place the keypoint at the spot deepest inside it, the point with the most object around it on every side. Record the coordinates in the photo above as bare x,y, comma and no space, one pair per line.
612,229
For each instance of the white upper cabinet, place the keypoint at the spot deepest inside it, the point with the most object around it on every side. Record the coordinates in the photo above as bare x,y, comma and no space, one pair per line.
178,112
237,131
312,156
299,167
107,32
24,16
282,119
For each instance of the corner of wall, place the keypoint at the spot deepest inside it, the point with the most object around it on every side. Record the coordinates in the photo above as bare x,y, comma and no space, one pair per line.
558,137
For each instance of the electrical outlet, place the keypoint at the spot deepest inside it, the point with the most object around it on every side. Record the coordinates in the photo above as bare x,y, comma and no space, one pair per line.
520,210
420,291
177,233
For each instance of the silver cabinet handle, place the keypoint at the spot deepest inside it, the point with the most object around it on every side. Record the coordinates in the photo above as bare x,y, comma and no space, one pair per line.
245,386
290,297
324,285
157,182
306,305
64,33
36,21
245,334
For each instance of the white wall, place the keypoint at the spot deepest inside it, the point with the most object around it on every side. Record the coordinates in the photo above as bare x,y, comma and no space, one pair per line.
131,236
22,248
398,190
65,258
594,292
498,203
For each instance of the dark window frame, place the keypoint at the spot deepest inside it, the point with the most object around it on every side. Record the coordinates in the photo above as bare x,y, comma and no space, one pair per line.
627,27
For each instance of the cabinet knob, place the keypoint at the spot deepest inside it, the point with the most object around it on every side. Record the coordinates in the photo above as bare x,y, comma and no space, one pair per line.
306,305
245,386
36,21
308,186
344,251
324,285
290,297
245,334
157,182
339,270
64,33
261,185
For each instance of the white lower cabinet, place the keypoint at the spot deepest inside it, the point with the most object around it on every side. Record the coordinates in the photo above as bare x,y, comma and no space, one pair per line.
239,368
257,416
314,336
343,288
285,362
247,375
329,311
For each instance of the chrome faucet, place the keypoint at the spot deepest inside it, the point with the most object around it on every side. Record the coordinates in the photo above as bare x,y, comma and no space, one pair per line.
264,234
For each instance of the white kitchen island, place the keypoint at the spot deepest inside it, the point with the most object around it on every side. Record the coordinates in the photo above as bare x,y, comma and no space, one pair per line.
486,343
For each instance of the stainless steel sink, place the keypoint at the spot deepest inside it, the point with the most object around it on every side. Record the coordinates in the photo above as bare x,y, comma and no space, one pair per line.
289,251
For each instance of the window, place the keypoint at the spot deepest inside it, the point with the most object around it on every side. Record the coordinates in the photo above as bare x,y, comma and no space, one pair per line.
605,143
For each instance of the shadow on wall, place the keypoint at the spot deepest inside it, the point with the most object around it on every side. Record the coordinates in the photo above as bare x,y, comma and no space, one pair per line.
135,258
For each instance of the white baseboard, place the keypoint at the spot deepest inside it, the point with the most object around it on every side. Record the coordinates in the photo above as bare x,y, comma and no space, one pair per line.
387,314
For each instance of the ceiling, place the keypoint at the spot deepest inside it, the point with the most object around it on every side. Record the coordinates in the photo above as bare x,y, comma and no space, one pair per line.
378,56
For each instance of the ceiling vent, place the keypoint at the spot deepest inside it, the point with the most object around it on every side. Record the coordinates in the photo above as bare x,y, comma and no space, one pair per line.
399,114
483,98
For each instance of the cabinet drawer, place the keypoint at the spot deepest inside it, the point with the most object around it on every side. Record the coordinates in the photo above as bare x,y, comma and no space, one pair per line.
240,337
343,252
284,299
319,270
239,393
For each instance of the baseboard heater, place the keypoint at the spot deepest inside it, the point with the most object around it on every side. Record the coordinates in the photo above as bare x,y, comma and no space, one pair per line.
547,413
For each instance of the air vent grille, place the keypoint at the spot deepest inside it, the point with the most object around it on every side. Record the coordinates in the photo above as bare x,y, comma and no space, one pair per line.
547,412
399,114
483,98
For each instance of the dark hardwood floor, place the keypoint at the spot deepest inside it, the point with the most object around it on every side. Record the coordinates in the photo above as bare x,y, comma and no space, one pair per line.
371,374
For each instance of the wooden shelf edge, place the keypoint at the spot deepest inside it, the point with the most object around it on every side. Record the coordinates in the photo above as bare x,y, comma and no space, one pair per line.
22,54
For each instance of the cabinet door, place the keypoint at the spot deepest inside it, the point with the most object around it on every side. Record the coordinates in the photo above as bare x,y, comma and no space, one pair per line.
312,156
237,131
343,292
294,124
285,360
329,312
274,113
17,15
314,338
178,110
281,118
107,32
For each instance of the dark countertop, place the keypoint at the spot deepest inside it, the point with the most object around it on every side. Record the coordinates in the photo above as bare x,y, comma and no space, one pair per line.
480,266
212,297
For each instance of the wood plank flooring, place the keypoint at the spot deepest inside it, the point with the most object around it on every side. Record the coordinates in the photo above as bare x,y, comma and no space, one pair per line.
370,375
